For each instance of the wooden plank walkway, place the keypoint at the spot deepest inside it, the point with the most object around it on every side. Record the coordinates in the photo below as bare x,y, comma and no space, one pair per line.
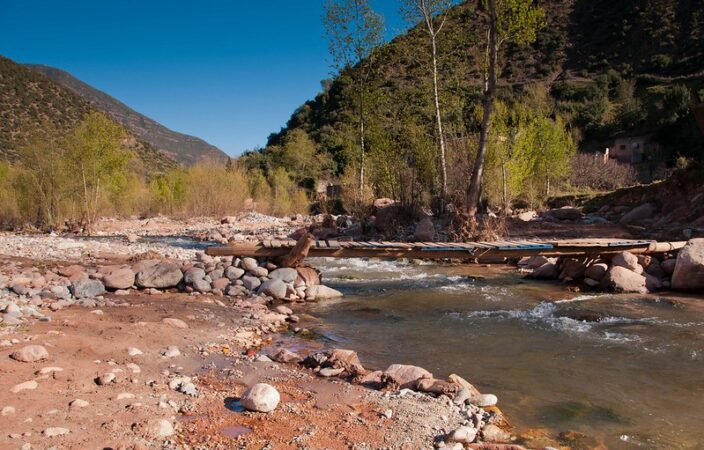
442,250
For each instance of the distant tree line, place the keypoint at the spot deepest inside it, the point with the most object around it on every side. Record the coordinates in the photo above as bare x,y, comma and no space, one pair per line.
73,179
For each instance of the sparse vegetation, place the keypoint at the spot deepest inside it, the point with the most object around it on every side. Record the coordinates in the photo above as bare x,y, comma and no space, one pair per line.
78,177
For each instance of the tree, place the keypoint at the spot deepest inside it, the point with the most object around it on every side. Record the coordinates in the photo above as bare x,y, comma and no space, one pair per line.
354,30
45,175
95,154
517,21
433,15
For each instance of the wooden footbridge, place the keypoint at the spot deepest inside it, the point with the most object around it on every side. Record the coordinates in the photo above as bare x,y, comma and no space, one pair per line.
438,250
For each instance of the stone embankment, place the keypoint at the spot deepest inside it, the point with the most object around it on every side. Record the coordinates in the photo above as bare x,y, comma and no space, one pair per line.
625,272
28,292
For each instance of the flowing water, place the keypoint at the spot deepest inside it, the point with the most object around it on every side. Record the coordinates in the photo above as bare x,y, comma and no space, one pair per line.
627,371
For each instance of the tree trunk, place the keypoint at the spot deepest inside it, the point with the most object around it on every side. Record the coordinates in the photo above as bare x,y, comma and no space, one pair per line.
361,138
475,183
299,252
443,165
504,187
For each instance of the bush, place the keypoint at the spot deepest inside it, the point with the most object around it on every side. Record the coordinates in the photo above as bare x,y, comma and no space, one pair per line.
590,172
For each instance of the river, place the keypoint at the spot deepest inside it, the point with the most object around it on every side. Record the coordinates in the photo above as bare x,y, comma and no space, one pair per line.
625,371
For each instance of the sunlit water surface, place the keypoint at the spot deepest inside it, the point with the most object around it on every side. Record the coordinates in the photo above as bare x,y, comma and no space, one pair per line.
633,378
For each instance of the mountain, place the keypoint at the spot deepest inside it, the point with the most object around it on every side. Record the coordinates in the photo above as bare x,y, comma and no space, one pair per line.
609,68
181,147
31,104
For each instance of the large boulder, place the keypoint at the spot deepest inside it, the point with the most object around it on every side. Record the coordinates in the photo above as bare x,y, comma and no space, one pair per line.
122,278
249,264
261,397
547,271
638,214
193,274
572,269
273,288
251,283
596,271
627,260
425,230
566,213
321,292
689,269
234,273
30,353
406,376
308,276
87,288
619,279
162,275
285,274
668,265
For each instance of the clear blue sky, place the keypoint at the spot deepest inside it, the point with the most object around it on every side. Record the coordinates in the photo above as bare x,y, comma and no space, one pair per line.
230,72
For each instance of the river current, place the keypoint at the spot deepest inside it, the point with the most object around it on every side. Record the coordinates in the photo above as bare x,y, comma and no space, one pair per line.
624,371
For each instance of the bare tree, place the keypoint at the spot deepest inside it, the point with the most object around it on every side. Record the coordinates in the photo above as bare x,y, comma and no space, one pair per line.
433,15
508,20
354,30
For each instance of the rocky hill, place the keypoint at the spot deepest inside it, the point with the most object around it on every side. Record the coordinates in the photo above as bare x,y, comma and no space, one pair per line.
32,104
610,68
180,147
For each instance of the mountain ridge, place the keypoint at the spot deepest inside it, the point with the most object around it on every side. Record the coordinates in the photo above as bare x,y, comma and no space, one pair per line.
181,147
33,106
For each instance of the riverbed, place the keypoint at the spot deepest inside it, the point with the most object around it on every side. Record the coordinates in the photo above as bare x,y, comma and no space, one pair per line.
623,370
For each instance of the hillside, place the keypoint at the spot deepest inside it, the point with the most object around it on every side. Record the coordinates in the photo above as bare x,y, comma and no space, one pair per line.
181,147
30,104
609,68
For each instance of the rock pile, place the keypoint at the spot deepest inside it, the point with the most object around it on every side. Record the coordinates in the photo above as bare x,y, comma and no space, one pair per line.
484,422
625,272
26,293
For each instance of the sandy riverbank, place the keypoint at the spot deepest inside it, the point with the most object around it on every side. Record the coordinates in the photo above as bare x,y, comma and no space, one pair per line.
121,373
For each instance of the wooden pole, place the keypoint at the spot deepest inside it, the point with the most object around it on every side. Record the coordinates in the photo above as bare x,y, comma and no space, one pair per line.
299,252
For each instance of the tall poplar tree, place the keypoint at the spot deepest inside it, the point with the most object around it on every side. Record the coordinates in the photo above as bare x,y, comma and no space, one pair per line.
433,15
354,30
516,21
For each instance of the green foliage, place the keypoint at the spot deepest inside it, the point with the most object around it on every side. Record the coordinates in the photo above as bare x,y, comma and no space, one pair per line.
98,160
529,151
354,30
89,173
519,21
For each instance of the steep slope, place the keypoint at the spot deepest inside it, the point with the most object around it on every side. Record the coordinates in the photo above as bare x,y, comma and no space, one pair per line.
181,147
610,68
30,104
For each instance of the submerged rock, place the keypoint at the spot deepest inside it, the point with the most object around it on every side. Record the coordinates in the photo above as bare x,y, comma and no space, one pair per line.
321,292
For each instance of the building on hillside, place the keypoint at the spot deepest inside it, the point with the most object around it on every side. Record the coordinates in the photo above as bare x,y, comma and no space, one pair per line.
328,189
632,149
